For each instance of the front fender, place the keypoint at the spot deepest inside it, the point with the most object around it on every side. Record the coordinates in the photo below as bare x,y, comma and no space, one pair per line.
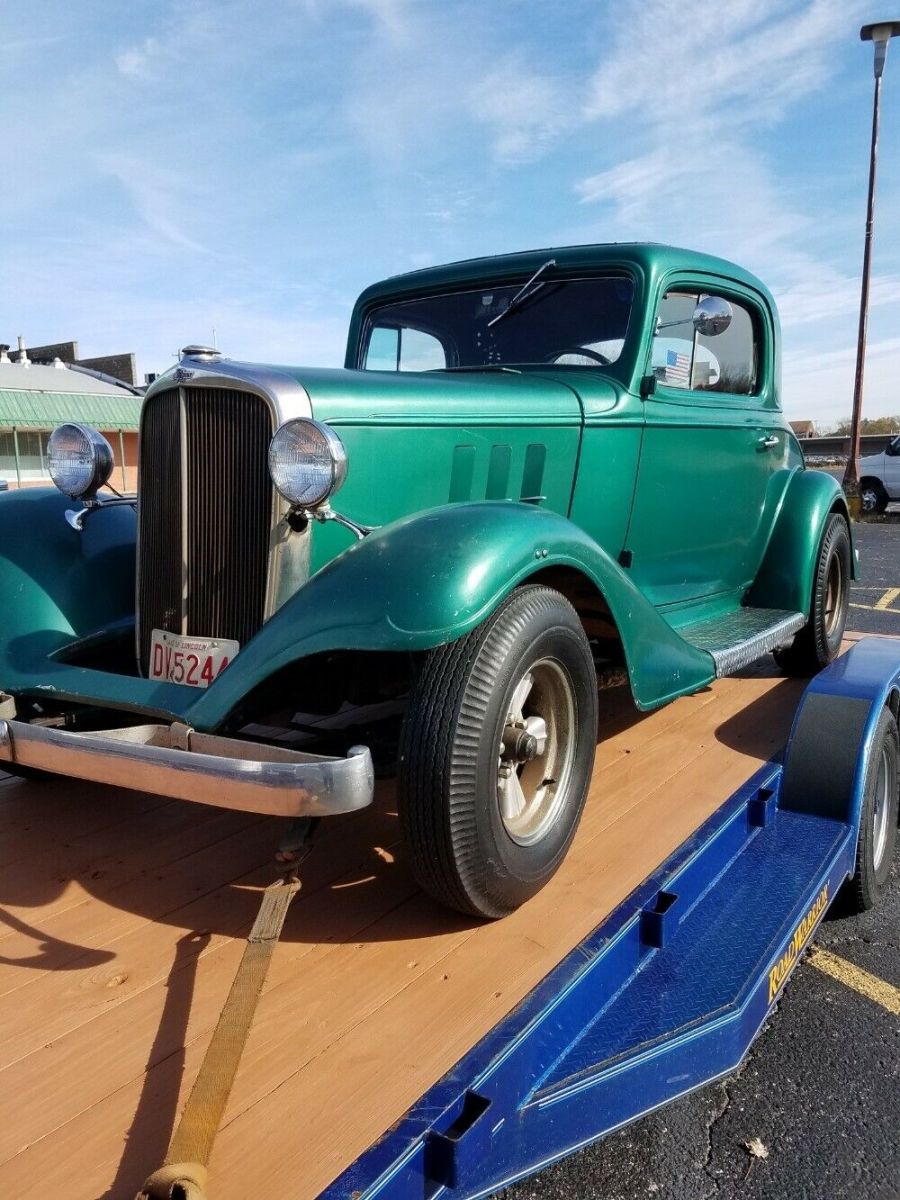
56,583
785,579
433,577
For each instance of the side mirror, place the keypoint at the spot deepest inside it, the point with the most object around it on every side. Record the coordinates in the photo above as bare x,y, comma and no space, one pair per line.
712,316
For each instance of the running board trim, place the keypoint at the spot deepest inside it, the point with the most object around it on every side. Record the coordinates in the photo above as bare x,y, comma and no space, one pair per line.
743,653
738,638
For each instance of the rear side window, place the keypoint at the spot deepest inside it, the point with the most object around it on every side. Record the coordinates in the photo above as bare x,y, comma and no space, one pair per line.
727,362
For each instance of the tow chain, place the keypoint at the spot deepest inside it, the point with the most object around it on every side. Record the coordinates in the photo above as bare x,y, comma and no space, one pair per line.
183,1174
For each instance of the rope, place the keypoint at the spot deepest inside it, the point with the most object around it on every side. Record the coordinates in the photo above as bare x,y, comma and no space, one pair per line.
183,1174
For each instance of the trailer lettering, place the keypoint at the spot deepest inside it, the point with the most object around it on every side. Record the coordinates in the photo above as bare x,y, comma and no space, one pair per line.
799,938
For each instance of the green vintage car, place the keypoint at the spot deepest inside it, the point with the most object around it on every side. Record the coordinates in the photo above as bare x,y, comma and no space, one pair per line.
538,473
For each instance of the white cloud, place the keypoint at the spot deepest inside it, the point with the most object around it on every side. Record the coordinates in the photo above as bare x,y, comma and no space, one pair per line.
821,292
819,384
138,62
323,143
735,63
523,110
700,115
392,16
158,195
635,186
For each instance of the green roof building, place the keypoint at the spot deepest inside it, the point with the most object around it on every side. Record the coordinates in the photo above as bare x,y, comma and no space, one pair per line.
35,398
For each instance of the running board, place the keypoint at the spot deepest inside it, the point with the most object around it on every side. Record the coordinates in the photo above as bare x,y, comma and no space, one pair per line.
737,639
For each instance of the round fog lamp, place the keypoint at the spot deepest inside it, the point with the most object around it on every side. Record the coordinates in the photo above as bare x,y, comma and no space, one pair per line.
307,462
80,460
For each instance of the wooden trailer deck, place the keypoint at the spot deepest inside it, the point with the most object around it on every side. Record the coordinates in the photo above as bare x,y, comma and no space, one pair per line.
121,918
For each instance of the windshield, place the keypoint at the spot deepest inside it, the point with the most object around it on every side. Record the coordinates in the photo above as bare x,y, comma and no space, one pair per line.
574,322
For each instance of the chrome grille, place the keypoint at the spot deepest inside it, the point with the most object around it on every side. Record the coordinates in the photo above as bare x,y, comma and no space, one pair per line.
159,519
218,507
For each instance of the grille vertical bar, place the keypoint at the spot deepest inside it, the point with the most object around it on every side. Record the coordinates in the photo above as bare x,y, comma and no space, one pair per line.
159,519
229,513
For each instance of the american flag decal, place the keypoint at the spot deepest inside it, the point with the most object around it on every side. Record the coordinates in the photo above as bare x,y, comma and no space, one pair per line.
678,367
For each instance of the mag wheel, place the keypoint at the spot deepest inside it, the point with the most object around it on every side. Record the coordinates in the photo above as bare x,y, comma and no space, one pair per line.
496,755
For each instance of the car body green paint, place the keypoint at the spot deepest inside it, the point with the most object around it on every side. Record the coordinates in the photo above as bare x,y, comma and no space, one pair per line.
433,577
674,483
59,589
431,439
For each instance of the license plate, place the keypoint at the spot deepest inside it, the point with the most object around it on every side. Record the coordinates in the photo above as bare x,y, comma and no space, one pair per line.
193,661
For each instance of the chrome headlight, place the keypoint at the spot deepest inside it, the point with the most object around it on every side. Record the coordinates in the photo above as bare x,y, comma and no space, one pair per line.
80,460
307,462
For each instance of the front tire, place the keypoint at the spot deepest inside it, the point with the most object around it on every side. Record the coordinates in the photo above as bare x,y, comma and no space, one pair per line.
872,496
878,820
496,755
819,641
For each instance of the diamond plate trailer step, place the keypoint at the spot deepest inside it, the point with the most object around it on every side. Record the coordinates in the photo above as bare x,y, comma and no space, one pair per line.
670,990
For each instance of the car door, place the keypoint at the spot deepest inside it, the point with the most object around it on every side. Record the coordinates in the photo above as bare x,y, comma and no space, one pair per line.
713,439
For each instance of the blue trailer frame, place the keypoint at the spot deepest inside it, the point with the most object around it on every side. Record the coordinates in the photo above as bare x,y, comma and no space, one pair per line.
668,992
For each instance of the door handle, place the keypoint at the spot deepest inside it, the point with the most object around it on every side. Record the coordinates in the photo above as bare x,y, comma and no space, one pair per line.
768,443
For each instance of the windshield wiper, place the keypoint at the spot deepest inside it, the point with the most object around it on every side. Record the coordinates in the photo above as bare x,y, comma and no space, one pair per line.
523,293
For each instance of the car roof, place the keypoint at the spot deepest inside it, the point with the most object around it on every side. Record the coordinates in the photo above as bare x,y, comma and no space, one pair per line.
653,258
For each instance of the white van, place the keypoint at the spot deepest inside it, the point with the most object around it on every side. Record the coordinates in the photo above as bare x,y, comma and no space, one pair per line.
879,478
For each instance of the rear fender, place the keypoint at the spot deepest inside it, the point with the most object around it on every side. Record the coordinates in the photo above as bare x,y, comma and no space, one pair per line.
433,577
785,579
832,740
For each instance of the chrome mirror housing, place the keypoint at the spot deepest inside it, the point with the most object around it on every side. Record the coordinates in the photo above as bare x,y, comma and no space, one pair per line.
712,316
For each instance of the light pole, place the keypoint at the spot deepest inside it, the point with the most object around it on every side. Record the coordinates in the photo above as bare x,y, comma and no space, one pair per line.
880,34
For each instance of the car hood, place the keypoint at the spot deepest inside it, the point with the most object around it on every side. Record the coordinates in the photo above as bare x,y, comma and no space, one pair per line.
342,396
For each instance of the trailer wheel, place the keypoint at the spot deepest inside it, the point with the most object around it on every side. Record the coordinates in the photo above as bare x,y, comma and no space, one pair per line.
819,640
496,755
878,820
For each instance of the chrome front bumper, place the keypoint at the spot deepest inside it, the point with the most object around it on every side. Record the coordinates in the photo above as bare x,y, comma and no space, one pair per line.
175,760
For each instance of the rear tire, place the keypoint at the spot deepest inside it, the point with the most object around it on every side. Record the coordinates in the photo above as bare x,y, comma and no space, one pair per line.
819,641
496,755
878,820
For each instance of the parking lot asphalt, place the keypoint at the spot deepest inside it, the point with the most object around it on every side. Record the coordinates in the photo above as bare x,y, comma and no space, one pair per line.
820,1089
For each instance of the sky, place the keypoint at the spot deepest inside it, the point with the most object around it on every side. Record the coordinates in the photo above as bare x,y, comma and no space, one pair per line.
172,168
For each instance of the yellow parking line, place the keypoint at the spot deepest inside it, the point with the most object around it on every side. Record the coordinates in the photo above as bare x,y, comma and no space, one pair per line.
857,979
879,607
888,598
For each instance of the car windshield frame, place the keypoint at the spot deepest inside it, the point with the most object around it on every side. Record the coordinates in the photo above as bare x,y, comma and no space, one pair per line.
498,318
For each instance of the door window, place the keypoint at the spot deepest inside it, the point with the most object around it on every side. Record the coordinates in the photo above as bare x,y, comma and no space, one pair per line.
681,358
